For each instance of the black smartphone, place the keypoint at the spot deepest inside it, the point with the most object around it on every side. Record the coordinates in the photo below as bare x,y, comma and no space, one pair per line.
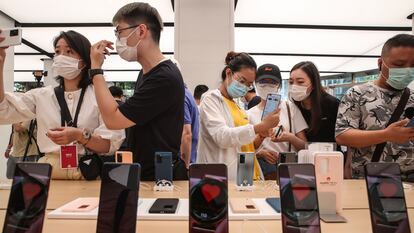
164,206
288,157
118,201
28,198
272,103
163,168
387,205
274,202
208,198
298,198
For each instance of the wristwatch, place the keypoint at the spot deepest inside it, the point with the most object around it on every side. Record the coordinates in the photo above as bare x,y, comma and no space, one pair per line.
86,134
93,72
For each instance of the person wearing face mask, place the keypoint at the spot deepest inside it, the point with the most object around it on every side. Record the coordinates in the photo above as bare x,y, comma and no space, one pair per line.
87,130
363,122
155,112
292,134
224,126
317,107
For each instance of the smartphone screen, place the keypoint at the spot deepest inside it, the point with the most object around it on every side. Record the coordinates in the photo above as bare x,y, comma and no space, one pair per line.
272,103
118,200
299,198
386,198
208,198
163,167
28,198
245,169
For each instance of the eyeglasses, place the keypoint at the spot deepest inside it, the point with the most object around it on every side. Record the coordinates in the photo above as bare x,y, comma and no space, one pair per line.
243,81
118,31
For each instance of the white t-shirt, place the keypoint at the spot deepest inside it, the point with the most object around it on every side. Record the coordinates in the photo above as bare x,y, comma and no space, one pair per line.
298,124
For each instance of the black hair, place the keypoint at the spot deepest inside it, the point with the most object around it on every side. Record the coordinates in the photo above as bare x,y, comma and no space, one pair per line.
199,90
140,12
82,46
116,91
237,61
316,95
400,40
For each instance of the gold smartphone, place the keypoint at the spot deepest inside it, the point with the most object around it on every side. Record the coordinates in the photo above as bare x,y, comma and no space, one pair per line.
123,157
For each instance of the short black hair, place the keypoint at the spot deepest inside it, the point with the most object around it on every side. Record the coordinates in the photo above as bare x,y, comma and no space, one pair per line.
199,90
116,91
82,46
400,40
140,12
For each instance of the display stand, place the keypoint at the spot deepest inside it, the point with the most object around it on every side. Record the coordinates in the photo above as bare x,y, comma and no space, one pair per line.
164,186
245,188
327,208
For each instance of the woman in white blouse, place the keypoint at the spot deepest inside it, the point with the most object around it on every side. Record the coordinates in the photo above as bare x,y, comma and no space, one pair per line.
71,64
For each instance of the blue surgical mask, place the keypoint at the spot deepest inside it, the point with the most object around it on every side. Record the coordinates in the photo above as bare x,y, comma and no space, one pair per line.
236,90
399,78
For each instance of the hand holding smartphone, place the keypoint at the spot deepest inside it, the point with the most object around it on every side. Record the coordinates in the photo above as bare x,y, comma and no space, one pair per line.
272,103
12,37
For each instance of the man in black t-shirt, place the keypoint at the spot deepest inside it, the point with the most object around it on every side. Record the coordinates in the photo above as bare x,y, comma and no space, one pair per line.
155,112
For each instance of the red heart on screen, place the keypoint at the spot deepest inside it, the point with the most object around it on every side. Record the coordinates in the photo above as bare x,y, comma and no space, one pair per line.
210,191
388,189
30,190
300,191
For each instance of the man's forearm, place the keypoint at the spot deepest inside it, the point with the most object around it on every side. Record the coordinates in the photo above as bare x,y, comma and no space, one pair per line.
186,149
361,138
106,103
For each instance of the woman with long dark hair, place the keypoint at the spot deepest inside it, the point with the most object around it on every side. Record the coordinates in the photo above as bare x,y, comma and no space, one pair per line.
318,107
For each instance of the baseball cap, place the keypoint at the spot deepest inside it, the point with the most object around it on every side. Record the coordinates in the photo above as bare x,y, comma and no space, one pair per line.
268,71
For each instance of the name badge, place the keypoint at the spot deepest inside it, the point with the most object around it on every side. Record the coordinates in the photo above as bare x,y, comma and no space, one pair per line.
68,157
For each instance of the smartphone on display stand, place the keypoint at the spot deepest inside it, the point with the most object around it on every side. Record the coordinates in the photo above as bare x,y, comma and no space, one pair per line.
245,169
208,198
288,157
12,37
163,168
272,103
123,157
118,201
298,198
164,206
388,209
28,198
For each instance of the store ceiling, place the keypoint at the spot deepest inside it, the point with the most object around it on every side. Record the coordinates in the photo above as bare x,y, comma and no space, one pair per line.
339,36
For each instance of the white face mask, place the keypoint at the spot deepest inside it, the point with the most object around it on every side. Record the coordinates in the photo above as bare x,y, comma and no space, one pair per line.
126,52
67,67
263,90
298,93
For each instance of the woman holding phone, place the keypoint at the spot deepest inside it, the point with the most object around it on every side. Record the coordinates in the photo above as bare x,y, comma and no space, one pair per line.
224,126
289,135
86,132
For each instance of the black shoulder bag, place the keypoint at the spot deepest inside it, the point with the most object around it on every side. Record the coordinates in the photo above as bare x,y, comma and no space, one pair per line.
394,117
90,164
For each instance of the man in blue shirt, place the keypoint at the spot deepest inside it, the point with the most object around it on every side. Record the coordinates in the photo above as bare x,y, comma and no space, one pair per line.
189,139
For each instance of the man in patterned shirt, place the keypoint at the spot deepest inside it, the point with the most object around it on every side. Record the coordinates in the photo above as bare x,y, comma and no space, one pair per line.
365,110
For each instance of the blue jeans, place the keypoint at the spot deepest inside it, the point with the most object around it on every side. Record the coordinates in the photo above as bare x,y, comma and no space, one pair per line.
266,167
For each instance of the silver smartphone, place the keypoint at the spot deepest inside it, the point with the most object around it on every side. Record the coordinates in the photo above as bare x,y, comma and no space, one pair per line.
12,36
245,168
